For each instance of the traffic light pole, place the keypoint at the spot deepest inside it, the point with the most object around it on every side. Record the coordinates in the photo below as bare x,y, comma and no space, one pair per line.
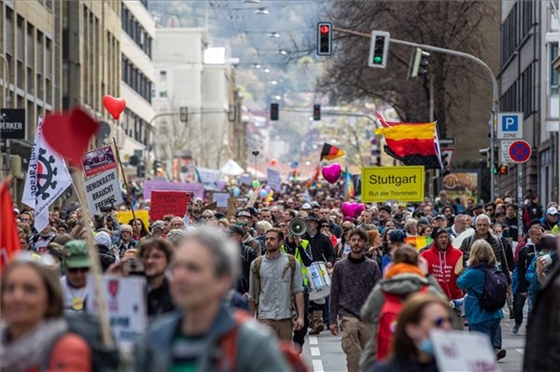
478,61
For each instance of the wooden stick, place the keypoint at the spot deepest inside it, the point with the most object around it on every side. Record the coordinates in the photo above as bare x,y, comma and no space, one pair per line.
124,178
106,335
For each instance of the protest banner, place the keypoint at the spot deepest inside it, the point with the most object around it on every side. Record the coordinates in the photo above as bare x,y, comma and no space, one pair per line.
126,307
126,216
462,351
197,189
102,191
168,202
380,184
221,199
98,161
273,179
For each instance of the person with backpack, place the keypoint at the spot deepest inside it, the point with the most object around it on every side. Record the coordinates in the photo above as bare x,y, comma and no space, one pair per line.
384,303
274,282
34,336
548,248
487,291
203,335
353,279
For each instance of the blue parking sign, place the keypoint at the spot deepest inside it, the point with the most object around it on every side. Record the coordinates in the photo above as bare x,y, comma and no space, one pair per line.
510,126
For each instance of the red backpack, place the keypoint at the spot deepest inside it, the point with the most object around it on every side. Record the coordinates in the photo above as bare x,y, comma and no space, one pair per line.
229,346
388,322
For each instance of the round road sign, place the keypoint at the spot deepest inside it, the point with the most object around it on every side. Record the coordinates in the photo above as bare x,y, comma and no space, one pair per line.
519,151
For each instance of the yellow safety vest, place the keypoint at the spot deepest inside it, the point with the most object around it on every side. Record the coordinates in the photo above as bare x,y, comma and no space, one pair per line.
297,255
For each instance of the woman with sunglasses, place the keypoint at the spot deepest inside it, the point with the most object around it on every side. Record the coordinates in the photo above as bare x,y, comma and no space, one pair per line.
412,349
473,280
34,335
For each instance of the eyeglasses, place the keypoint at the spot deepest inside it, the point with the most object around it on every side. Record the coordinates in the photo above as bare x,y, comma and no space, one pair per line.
439,321
80,269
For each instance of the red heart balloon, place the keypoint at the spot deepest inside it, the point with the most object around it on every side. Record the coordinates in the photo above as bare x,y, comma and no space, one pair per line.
69,133
115,106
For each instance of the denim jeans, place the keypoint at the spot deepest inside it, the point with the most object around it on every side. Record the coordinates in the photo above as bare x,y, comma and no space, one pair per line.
491,328
518,303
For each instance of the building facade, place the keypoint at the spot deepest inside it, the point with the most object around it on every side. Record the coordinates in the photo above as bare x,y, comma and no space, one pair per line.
137,83
31,50
529,85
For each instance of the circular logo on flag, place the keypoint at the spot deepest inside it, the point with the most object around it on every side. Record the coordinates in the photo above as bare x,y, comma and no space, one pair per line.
45,174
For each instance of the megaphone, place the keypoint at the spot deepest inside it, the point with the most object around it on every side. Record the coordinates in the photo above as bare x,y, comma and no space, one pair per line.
297,226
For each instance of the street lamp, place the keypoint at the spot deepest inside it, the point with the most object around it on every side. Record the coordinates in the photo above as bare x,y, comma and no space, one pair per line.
274,34
262,11
284,52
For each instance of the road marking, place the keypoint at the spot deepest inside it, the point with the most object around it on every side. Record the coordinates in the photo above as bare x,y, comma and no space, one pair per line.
313,340
521,351
318,365
315,351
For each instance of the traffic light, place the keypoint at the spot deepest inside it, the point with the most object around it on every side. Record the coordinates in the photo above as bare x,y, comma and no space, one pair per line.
485,160
379,49
503,170
141,170
324,38
274,111
419,63
316,112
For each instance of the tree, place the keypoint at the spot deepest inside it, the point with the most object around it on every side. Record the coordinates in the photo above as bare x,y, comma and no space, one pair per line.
457,25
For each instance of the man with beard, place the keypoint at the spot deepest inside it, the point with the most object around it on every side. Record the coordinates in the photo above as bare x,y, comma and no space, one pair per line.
353,279
445,263
274,280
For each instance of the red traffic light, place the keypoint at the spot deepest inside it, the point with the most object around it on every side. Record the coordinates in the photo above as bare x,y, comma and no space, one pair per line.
325,29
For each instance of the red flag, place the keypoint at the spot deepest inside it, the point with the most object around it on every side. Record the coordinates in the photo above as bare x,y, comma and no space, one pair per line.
9,237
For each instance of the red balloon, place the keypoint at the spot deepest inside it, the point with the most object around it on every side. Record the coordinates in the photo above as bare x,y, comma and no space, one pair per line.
273,162
115,106
69,133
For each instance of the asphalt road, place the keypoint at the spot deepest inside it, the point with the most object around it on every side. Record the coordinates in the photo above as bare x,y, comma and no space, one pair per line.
324,354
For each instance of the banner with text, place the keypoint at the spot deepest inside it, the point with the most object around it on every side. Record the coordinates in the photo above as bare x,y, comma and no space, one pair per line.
168,202
98,161
196,188
126,216
103,191
380,184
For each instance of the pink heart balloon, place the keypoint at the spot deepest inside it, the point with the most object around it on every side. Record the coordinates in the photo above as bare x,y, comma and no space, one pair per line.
331,172
352,209
359,209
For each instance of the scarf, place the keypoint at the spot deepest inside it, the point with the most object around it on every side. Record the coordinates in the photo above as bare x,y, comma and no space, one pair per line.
29,351
403,268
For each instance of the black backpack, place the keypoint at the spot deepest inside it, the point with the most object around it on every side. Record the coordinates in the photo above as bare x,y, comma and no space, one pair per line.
495,289
87,326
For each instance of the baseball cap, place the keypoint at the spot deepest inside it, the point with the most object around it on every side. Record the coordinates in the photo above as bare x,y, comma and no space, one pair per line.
234,229
76,254
397,236
306,207
552,211
440,217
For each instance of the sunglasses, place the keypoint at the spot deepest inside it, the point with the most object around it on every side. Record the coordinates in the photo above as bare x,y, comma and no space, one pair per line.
80,269
440,321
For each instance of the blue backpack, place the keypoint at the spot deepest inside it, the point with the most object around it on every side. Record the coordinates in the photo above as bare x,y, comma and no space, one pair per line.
494,296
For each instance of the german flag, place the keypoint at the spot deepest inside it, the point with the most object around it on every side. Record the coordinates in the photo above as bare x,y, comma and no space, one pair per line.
331,152
413,144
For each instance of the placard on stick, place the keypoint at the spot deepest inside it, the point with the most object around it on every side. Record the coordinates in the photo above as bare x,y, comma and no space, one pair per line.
98,161
103,191
168,202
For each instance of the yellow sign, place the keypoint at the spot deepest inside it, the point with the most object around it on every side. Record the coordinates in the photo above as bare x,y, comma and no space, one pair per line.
126,216
404,184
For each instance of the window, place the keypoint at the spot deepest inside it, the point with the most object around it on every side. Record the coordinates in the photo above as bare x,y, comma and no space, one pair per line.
554,76
30,80
510,34
30,45
163,84
48,57
9,31
509,101
20,75
20,39
527,17
527,104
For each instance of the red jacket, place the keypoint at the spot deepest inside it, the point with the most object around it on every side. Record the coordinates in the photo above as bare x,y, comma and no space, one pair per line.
445,266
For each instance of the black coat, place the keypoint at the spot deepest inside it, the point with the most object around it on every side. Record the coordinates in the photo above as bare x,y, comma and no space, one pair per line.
247,257
321,248
542,345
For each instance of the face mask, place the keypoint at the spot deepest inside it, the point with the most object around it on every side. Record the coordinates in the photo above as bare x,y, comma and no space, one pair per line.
426,346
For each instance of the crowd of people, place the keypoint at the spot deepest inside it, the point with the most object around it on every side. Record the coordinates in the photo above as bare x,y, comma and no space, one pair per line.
298,266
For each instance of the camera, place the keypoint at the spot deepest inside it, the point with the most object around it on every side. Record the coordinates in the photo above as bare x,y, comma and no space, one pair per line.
133,267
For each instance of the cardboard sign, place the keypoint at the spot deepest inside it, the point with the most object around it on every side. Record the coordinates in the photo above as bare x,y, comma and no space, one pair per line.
126,216
221,199
98,161
462,351
126,307
196,188
168,202
103,191
274,180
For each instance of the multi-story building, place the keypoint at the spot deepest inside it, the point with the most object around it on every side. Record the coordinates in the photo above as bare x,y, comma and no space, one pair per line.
529,85
137,41
199,80
91,54
30,49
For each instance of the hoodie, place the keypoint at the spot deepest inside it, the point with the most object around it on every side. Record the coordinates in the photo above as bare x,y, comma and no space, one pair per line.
445,266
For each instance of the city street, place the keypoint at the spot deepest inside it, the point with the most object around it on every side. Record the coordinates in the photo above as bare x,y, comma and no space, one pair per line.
324,354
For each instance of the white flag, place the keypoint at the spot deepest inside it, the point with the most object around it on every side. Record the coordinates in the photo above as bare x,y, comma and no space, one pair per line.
47,178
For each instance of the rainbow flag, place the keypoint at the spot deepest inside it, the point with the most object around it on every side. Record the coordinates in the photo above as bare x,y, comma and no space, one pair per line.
418,242
349,191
